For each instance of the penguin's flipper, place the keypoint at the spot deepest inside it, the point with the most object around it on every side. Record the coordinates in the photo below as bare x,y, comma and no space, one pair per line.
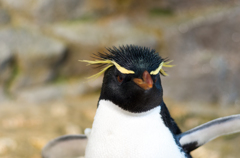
202,134
68,146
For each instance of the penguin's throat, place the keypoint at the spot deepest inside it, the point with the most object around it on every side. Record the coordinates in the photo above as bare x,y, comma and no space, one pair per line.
108,107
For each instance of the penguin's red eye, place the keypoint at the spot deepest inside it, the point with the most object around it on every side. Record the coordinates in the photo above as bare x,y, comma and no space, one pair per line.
119,78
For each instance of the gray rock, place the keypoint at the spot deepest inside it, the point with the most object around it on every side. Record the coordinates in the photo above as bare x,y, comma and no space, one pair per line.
40,94
44,11
5,56
48,93
55,10
207,58
4,17
90,38
2,95
117,32
6,71
37,56
16,5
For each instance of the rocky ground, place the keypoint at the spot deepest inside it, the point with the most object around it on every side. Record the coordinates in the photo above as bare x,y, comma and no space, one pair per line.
42,82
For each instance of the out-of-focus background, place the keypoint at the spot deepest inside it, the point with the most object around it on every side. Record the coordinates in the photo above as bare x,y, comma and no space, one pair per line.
44,92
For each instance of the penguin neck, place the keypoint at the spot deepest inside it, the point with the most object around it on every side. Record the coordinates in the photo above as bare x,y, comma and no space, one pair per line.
109,116
108,107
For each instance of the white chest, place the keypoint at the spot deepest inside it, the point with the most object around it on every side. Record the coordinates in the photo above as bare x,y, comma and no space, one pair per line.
120,134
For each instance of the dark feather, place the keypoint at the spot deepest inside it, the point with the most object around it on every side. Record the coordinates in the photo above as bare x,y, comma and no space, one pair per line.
132,57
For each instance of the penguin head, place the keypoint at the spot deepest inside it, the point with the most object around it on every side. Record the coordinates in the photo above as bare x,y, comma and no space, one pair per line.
132,77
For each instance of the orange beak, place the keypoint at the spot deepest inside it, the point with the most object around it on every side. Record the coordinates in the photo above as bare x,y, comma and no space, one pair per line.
146,83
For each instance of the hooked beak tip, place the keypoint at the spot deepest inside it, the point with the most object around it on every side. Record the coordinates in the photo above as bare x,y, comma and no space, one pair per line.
146,83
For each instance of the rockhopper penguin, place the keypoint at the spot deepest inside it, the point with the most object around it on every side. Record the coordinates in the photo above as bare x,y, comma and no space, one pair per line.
132,120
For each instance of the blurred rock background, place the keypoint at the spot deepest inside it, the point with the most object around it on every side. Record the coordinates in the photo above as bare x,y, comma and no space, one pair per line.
43,88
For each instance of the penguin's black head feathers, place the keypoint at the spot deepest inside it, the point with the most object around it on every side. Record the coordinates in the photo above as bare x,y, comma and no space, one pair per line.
131,77
133,57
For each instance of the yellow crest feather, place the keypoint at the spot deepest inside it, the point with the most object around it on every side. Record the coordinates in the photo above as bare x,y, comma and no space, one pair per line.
165,64
122,69
96,61
155,72
100,73
111,63
159,69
